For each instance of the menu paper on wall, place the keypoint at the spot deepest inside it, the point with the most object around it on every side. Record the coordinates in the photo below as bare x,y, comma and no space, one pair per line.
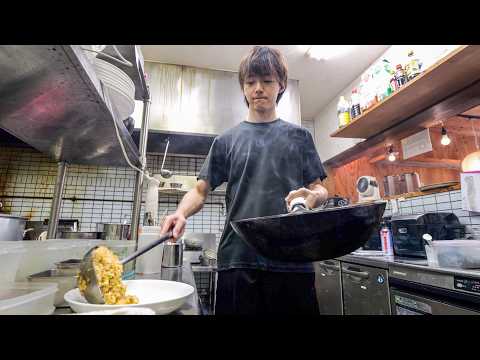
416,144
470,184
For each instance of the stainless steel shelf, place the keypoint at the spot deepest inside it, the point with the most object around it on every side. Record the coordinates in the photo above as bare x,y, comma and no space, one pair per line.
52,100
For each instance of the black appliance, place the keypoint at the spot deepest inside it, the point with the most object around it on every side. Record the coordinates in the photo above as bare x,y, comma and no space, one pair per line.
408,230
336,201
374,242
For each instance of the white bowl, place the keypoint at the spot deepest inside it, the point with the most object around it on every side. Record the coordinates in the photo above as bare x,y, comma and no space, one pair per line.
161,296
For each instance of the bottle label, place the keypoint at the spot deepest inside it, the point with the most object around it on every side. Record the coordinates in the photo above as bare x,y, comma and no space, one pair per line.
344,118
387,245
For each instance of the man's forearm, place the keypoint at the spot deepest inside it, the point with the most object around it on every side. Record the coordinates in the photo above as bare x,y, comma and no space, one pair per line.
191,203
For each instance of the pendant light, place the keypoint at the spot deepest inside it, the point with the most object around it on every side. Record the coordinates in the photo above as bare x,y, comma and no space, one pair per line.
471,162
445,139
391,154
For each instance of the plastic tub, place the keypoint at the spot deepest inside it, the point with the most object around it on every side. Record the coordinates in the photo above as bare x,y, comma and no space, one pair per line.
9,262
464,254
65,283
39,256
23,298
151,261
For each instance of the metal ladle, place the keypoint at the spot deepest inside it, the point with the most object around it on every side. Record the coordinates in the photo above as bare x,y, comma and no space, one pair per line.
165,173
93,294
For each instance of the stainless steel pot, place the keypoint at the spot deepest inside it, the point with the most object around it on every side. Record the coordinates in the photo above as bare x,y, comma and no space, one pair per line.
172,254
12,227
114,231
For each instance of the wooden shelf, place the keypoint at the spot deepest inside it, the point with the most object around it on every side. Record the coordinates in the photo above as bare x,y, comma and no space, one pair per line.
422,193
452,73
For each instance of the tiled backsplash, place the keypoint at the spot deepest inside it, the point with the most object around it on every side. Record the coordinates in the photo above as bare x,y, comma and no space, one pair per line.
94,194
445,202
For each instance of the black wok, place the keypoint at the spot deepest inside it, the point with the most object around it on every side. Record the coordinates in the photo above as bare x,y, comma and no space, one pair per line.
311,235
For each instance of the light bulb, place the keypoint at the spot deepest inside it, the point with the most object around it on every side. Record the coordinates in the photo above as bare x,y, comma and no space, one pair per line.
445,139
391,157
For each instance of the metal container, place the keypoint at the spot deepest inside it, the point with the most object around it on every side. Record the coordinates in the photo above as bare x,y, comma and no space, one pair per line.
114,231
172,254
68,267
12,227
38,227
209,257
199,241
80,235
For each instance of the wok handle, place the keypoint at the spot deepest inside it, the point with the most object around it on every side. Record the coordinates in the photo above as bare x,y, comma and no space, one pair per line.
143,250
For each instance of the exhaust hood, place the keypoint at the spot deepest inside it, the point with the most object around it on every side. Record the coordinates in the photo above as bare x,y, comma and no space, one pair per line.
195,105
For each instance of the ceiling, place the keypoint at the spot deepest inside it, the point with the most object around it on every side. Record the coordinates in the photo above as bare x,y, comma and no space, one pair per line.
320,81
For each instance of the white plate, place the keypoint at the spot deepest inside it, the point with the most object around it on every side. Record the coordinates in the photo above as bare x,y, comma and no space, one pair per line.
161,296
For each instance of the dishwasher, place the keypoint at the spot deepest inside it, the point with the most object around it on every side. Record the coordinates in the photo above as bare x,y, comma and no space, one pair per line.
365,290
428,292
328,286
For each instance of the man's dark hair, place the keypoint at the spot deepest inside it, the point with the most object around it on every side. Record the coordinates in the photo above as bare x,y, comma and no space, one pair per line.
264,61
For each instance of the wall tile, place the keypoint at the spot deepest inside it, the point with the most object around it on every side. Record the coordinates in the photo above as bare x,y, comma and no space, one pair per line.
455,196
444,206
430,208
442,198
418,209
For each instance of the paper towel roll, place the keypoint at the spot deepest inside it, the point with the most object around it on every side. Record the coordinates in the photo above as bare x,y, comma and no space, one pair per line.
151,200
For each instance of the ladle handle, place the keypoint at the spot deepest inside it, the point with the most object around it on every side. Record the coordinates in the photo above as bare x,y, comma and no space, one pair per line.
140,251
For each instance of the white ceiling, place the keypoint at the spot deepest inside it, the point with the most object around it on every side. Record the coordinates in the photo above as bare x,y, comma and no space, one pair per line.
320,81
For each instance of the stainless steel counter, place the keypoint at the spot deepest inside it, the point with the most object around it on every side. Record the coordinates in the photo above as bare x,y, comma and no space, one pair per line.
183,274
388,262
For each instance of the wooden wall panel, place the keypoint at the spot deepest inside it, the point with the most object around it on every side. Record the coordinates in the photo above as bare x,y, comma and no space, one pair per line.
342,180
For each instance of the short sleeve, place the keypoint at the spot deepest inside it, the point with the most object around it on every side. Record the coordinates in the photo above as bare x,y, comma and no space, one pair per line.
214,169
312,165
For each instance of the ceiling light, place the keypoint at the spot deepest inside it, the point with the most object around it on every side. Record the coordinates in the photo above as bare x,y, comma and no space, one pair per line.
471,162
326,52
445,139
391,154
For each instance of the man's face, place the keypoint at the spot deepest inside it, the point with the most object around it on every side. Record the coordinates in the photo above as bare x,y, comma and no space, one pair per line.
261,92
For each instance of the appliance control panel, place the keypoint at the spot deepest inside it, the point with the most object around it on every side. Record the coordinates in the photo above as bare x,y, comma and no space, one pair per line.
467,284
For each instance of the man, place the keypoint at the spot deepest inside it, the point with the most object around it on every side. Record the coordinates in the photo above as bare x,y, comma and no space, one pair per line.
266,163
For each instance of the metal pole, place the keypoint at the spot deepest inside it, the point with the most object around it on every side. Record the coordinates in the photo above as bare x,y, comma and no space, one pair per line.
57,200
137,199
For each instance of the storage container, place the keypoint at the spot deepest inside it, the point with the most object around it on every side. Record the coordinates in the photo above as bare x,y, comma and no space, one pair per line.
40,255
24,298
65,282
151,261
9,263
463,254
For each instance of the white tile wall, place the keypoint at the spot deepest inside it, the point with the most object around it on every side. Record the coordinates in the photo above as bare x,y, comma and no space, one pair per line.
94,194
448,202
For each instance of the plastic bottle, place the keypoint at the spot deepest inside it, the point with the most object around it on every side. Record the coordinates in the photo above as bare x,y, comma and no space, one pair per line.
356,111
386,239
413,66
400,77
343,112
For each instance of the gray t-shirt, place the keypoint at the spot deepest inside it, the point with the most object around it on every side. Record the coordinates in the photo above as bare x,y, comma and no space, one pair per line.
261,163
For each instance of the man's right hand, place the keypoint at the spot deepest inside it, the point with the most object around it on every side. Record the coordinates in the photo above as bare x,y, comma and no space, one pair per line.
175,223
